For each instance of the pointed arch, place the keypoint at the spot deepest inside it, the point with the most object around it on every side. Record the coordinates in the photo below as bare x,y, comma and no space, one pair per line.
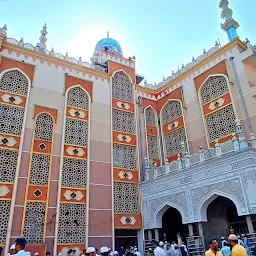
75,156
207,200
173,128
216,103
152,134
13,120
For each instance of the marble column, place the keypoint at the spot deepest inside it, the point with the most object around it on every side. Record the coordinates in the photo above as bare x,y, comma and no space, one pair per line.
150,235
249,224
201,232
156,235
190,229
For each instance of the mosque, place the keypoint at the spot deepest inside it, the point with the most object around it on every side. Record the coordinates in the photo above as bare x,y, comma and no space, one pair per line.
92,155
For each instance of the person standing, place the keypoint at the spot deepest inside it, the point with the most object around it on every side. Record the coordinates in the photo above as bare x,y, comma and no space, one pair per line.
90,251
213,248
237,249
136,253
169,251
121,251
20,244
158,251
223,240
173,245
176,250
225,250
104,251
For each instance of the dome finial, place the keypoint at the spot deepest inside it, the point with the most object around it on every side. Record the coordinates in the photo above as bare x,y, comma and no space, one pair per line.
107,34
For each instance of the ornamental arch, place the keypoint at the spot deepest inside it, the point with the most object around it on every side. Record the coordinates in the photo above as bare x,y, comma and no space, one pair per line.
173,128
217,108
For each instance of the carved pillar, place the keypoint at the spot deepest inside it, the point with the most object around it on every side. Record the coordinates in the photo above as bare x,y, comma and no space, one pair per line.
249,224
201,231
190,229
149,235
156,235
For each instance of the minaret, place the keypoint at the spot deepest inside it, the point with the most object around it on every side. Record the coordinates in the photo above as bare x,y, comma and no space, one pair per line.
43,39
230,25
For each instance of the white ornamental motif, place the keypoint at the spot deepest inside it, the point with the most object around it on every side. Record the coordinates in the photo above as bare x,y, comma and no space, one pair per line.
216,104
71,195
13,99
126,138
77,113
4,191
123,105
173,125
128,220
125,175
75,151
10,142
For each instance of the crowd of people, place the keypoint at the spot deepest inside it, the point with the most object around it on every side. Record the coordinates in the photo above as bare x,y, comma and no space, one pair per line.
233,246
18,249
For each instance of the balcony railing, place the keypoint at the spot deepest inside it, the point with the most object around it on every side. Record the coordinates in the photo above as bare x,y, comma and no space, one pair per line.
152,171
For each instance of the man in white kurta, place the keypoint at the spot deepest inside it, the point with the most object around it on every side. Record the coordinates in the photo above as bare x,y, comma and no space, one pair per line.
158,250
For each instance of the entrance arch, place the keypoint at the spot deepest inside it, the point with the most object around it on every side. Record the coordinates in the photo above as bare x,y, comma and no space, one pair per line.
221,216
170,220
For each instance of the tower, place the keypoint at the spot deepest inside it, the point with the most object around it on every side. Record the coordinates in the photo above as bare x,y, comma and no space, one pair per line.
230,25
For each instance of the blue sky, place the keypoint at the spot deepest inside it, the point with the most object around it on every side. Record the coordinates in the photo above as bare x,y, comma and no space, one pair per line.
161,34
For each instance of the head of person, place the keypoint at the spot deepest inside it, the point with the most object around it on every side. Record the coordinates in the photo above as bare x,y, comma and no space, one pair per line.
104,251
213,245
150,249
90,251
84,251
176,247
36,254
222,238
233,240
12,249
122,248
20,244
225,244
48,253
70,252
168,246
115,253
173,242
161,244
155,243
1,250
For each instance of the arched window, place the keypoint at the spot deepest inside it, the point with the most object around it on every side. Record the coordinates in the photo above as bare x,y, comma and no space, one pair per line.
151,122
14,87
35,212
173,128
72,208
217,108
125,163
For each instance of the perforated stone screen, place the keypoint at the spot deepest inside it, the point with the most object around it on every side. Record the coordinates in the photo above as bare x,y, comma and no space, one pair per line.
122,88
171,111
5,207
126,197
72,223
77,98
8,165
123,121
124,156
34,222
44,127
15,82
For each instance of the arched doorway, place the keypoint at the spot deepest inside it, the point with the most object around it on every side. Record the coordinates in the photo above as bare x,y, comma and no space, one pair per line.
221,217
172,225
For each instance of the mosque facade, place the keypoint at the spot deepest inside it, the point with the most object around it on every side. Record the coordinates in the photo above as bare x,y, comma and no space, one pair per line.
92,155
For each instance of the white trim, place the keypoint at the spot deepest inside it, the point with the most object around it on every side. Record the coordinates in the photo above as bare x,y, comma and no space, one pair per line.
201,105
19,205
61,164
96,161
16,179
104,185
100,121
